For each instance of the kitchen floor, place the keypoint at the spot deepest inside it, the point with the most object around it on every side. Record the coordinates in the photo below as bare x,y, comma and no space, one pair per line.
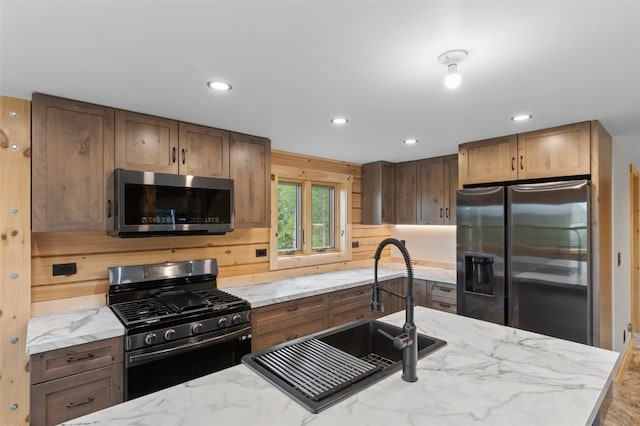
625,405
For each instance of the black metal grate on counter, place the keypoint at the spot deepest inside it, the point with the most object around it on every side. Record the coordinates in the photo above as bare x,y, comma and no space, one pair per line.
315,368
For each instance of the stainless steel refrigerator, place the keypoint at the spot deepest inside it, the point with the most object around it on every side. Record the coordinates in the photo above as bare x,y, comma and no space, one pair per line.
524,258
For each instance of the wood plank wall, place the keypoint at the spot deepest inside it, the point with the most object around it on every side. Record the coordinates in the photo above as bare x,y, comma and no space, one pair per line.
94,252
15,250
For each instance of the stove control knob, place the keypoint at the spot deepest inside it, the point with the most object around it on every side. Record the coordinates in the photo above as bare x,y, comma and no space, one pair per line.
222,322
236,319
196,328
169,334
150,338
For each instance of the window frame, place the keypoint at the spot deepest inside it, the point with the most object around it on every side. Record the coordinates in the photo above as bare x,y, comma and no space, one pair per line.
341,251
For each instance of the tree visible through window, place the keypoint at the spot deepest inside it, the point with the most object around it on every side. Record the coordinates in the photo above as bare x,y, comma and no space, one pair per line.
289,213
322,216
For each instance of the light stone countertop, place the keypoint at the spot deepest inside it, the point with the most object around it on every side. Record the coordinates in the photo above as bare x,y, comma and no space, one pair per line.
487,374
310,285
70,328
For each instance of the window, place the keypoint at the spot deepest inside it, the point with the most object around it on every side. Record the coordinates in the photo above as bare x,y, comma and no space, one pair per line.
311,217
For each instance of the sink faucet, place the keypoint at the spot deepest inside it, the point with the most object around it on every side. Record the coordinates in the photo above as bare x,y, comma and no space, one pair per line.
407,342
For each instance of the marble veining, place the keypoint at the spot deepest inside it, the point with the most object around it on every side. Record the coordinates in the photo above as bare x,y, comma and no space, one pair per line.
314,284
70,328
487,374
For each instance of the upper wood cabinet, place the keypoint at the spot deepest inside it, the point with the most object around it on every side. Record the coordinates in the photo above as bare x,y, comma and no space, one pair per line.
378,193
490,160
556,152
560,151
146,143
437,182
406,191
250,168
72,163
204,151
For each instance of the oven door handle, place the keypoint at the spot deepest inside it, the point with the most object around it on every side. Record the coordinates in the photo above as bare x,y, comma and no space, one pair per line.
133,360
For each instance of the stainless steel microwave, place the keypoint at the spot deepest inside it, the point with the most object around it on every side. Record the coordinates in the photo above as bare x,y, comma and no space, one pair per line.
148,204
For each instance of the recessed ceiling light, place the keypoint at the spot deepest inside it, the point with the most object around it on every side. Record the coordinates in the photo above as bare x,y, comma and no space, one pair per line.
219,85
411,141
522,117
339,120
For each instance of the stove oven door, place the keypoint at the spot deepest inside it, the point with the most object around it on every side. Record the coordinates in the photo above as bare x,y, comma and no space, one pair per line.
150,369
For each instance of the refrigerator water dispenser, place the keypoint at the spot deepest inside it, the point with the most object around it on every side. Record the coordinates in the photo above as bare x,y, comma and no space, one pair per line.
479,274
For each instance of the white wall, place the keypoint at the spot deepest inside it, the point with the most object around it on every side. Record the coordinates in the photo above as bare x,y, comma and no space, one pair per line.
435,243
621,244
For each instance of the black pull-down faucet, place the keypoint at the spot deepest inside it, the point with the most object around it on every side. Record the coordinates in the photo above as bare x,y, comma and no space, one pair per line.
408,340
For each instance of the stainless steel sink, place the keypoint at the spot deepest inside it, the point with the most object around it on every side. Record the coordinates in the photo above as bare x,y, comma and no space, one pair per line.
324,368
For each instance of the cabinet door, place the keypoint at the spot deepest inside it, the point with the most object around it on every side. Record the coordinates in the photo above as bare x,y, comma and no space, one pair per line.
72,163
491,160
421,293
73,396
406,192
146,143
378,193
250,168
560,151
204,151
431,190
451,176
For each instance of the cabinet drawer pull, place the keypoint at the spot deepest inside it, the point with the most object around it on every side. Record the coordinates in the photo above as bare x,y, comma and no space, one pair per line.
295,336
90,355
77,404
184,152
446,212
360,316
292,308
173,154
444,305
521,165
441,215
448,290
360,293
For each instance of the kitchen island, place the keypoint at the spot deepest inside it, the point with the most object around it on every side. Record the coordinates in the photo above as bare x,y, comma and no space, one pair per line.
487,374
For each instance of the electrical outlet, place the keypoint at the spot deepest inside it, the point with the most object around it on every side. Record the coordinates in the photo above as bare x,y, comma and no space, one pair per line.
355,244
261,252
64,269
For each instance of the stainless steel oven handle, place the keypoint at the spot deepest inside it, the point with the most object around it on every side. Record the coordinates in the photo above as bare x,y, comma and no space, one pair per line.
134,360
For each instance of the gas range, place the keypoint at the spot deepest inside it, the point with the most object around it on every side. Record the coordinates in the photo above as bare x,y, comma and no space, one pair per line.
173,313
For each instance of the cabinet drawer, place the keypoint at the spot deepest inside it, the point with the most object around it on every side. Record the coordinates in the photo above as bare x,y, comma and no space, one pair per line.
280,312
444,292
360,294
274,334
444,306
352,313
75,359
62,399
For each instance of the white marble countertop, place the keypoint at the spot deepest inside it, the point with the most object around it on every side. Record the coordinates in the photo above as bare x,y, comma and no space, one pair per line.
310,285
71,328
487,374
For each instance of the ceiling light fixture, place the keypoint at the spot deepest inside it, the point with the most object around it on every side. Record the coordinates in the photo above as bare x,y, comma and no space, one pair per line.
219,85
339,120
411,141
451,58
522,117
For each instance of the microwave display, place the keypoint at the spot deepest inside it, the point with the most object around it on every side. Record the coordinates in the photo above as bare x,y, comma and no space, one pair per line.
168,205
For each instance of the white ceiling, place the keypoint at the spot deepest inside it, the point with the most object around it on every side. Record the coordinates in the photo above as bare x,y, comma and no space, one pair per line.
296,64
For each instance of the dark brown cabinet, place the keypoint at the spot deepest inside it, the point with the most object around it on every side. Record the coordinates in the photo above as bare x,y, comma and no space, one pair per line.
378,193
250,168
72,164
72,382
406,187
437,181
146,143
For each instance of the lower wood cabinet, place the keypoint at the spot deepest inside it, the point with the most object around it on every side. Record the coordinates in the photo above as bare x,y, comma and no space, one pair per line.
443,297
71,382
280,322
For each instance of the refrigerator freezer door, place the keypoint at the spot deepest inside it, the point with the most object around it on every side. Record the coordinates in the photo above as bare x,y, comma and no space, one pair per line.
549,271
480,253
